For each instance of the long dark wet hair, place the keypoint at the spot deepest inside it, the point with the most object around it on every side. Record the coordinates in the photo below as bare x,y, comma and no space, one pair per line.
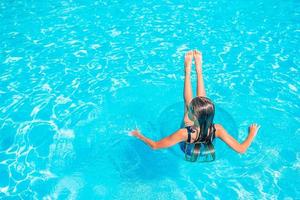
204,111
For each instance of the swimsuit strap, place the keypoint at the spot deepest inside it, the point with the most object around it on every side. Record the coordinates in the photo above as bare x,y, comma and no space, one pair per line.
211,135
189,130
213,132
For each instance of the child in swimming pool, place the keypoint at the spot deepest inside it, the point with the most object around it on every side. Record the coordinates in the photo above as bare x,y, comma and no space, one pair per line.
198,127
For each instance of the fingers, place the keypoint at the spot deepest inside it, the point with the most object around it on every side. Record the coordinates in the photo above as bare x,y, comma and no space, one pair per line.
255,125
134,133
258,127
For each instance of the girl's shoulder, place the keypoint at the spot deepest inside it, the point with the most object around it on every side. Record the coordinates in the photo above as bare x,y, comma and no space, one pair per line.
190,129
218,126
183,132
219,130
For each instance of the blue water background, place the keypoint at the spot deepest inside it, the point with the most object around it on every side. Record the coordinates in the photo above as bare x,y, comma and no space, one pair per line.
76,76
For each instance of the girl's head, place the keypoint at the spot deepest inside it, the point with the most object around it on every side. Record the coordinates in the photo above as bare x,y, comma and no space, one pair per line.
202,111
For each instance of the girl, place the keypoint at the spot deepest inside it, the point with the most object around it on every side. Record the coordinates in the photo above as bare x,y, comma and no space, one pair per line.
198,130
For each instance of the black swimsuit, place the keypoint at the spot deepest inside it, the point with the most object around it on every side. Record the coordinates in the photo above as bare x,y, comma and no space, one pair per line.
186,146
183,144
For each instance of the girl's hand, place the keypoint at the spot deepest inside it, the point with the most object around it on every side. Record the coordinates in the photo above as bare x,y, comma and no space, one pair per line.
135,133
253,129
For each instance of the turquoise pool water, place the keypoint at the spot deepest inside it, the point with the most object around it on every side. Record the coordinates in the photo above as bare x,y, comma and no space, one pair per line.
76,76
